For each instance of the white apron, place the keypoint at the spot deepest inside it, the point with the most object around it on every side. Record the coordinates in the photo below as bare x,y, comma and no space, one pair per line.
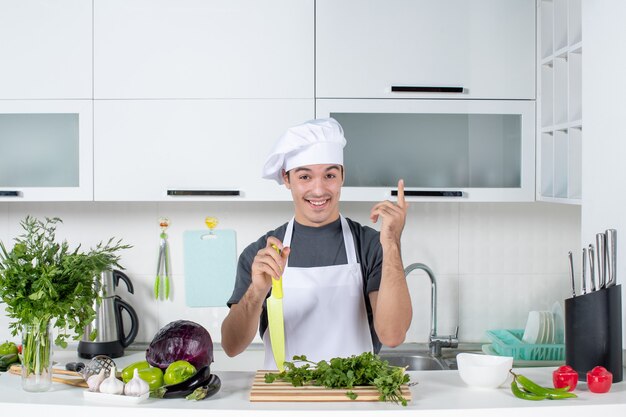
323,308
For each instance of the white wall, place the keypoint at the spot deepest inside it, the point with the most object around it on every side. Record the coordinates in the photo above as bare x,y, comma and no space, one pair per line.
604,134
494,262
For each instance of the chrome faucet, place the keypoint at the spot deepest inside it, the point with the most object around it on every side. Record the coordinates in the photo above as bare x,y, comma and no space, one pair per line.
435,342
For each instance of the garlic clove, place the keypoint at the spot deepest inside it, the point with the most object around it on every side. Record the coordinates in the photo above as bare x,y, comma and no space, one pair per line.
136,387
94,381
112,385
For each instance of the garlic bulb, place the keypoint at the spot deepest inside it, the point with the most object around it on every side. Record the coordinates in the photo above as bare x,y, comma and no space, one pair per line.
112,385
94,381
136,387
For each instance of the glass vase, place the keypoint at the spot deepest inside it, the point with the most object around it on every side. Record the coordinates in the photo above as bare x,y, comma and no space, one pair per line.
36,357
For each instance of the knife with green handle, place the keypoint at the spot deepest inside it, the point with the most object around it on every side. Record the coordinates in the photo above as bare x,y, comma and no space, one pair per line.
276,321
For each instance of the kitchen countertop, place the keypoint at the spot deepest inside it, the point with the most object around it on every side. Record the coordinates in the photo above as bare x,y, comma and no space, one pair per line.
438,393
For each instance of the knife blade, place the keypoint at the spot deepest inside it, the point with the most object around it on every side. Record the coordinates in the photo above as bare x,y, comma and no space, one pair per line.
601,259
571,272
277,321
592,269
584,273
611,256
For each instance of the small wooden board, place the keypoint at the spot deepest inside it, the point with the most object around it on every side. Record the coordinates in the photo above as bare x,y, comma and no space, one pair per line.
76,382
280,391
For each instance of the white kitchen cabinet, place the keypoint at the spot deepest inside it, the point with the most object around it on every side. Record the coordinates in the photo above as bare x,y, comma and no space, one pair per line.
445,150
203,49
559,70
189,150
484,47
46,150
45,49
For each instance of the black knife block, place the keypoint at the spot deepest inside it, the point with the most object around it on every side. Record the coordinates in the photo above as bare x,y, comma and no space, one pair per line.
593,332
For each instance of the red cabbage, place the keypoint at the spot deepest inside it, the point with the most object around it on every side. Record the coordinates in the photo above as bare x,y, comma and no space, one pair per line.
181,340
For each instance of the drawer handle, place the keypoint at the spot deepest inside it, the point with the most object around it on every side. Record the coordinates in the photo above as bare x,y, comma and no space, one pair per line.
213,193
424,89
4,193
411,193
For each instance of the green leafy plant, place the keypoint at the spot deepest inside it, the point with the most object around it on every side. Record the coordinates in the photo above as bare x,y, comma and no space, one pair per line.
364,369
43,282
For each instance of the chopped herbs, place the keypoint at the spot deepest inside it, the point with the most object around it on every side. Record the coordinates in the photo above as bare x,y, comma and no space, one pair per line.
364,369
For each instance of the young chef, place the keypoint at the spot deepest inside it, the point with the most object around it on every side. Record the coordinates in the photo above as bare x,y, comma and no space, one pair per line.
344,287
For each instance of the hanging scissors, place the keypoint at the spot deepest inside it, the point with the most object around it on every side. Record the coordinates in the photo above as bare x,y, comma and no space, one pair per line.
163,264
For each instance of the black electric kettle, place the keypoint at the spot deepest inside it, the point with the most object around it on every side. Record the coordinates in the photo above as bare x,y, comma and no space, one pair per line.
110,336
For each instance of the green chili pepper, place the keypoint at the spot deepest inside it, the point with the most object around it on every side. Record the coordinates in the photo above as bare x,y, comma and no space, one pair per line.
536,388
523,394
532,391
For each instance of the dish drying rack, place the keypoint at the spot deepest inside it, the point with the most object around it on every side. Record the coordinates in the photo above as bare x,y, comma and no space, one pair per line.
508,342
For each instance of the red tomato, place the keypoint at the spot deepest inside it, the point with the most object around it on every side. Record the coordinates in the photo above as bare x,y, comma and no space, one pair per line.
565,376
19,349
599,380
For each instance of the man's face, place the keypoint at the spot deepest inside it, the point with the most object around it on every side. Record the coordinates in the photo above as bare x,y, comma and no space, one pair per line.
315,190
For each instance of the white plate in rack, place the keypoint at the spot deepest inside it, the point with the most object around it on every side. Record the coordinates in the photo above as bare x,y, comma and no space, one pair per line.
114,399
534,328
559,323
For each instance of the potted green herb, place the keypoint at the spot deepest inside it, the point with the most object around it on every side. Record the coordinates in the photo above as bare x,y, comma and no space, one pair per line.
44,285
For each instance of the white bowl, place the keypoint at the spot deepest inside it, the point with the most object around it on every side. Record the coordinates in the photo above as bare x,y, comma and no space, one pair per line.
483,371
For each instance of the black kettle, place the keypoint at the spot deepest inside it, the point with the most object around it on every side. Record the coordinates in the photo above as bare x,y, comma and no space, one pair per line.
110,336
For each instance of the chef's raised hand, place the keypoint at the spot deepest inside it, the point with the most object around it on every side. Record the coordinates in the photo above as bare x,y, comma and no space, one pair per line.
269,262
393,216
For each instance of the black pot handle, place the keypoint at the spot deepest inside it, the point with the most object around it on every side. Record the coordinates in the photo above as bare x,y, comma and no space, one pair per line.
134,322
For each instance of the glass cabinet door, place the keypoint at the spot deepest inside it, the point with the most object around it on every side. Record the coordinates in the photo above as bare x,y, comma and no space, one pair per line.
45,150
474,150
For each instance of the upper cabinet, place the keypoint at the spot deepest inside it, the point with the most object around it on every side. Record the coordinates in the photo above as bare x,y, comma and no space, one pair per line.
478,49
46,150
445,150
45,49
203,49
560,101
189,150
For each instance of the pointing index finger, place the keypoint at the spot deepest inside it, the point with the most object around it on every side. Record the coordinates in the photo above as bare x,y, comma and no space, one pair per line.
401,201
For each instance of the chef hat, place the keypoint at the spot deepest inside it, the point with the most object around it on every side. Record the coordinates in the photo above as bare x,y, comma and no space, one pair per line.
318,141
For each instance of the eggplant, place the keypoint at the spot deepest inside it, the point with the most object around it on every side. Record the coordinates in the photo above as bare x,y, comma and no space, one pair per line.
189,385
208,390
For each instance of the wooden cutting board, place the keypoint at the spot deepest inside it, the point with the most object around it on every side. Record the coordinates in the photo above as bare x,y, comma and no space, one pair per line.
279,391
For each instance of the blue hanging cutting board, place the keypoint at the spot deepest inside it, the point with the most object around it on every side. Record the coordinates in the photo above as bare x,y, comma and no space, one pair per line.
210,267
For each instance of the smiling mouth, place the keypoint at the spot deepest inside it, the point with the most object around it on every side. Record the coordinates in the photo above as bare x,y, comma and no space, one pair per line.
317,204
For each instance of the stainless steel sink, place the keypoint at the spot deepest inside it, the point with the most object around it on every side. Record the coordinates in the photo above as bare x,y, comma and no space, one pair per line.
415,362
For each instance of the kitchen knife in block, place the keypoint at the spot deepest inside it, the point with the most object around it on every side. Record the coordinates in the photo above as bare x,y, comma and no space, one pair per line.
210,260
276,321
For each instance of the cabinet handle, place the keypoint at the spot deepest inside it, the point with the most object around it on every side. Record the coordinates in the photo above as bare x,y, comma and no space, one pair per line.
411,193
425,89
214,193
10,193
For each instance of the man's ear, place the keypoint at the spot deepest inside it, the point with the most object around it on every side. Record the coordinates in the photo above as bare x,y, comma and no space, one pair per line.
286,179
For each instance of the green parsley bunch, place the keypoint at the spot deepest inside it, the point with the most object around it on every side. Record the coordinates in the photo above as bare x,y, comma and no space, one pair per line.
42,281
364,369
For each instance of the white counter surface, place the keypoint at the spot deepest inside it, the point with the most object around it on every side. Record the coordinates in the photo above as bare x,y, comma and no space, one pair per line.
438,393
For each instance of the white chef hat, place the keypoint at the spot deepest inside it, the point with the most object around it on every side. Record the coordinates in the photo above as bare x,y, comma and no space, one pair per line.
318,141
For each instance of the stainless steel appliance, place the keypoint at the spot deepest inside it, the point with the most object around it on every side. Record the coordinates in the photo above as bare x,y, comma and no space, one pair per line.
110,336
